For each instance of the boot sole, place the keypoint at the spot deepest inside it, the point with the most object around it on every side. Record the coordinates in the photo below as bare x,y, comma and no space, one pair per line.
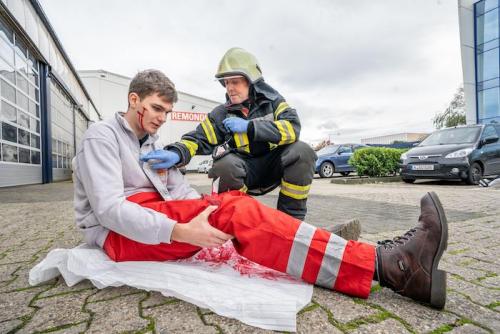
438,277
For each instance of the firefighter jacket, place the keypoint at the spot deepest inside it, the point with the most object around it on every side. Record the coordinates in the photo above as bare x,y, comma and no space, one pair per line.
272,123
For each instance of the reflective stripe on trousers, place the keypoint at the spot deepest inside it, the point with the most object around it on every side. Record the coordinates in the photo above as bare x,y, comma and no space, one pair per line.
331,257
329,261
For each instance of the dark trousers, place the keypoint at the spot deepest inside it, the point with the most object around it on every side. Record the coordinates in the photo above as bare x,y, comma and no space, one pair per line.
290,166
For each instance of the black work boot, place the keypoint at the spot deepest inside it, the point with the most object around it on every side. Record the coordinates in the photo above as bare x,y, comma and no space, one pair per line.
349,231
408,264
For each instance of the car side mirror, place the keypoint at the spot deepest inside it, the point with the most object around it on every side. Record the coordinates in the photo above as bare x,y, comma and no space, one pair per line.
489,140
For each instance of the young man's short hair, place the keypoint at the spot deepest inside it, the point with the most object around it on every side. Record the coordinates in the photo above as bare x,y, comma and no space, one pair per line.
151,82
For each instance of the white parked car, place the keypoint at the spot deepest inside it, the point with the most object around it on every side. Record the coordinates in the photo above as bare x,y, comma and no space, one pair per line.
205,166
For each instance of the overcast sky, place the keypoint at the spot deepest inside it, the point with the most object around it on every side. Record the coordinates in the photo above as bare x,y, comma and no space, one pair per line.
352,69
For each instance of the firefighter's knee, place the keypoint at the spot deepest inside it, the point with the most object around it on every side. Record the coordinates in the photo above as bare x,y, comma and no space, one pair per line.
231,170
299,159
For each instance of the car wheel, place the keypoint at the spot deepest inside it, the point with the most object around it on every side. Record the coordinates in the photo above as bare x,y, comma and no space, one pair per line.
408,180
345,173
326,169
475,173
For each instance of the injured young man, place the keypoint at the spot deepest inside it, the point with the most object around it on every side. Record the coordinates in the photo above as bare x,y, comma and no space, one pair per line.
134,210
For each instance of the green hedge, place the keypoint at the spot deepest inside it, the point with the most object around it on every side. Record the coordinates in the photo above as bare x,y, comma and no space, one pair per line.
376,161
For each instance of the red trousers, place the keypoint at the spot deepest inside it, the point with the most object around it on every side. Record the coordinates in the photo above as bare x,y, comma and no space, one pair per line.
263,235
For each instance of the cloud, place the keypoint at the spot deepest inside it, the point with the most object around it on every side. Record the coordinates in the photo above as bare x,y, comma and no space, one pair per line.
329,125
355,67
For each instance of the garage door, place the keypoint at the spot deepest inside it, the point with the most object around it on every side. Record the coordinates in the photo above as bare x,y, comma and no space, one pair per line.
20,150
63,149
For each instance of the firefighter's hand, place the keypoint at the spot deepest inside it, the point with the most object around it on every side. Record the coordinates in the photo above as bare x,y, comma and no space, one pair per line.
164,159
236,124
199,232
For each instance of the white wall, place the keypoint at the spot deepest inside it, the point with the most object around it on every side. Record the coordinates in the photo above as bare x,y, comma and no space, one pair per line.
172,130
389,139
109,93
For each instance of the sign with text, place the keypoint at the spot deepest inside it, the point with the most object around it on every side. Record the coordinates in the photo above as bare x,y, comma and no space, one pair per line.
187,116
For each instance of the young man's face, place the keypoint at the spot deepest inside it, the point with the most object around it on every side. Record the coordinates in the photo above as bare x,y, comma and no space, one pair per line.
237,89
153,110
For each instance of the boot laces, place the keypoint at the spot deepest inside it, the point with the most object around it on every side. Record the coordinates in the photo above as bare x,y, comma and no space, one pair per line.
399,240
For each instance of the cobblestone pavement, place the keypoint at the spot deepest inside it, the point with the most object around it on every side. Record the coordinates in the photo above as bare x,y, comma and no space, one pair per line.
36,219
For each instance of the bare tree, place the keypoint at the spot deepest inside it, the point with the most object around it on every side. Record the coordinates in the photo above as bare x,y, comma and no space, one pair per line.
324,143
455,113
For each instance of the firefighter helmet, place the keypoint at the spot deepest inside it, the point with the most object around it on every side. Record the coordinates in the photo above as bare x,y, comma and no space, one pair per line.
239,62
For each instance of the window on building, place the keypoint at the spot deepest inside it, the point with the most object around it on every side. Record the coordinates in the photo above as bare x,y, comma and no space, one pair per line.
487,27
62,127
488,65
19,101
489,102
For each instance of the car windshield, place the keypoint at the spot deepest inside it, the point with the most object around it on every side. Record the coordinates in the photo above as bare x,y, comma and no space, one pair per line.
452,136
328,150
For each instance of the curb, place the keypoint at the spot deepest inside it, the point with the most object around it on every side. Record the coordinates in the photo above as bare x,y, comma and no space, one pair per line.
367,180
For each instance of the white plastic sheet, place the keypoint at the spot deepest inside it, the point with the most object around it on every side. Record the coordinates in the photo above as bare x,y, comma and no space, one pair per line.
218,279
495,183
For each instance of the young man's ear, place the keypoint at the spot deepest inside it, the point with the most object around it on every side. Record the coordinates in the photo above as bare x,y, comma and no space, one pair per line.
133,100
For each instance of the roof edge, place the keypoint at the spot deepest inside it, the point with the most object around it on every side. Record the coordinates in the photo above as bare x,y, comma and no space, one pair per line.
41,13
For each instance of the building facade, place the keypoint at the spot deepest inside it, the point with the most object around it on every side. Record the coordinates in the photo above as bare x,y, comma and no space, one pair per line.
44,107
398,137
109,92
479,38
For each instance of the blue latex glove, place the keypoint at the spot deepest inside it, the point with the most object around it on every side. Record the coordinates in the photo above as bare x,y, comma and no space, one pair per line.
164,159
236,124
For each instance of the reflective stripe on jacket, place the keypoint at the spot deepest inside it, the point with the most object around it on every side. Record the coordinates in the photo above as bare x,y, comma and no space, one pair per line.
272,123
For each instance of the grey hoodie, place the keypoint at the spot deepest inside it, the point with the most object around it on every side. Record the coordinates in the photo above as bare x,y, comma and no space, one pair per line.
107,169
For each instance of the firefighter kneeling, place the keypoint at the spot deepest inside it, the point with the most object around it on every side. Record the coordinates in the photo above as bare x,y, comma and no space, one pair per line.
254,138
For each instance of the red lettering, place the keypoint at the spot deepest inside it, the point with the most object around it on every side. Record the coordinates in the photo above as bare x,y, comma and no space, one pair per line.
187,116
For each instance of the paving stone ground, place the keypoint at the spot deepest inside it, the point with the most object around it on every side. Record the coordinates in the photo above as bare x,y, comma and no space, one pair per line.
36,219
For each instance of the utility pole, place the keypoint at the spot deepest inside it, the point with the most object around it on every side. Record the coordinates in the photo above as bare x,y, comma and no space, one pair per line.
330,134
